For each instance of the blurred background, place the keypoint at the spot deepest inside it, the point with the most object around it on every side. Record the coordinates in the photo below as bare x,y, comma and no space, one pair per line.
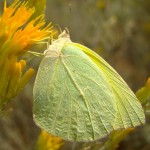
119,31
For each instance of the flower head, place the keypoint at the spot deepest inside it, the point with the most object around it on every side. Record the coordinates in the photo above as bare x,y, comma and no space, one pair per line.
48,142
17,34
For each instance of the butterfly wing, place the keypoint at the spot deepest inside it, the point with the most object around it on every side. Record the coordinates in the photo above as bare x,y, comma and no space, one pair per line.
129,109
73,97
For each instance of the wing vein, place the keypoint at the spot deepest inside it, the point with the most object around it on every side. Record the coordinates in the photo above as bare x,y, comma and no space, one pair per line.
81,92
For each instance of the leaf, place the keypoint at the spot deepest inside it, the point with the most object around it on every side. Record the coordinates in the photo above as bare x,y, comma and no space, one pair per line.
115,138
80,97
143,95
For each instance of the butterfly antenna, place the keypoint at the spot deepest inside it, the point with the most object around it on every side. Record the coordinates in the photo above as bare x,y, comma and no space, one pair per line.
66,29
70,4
59,28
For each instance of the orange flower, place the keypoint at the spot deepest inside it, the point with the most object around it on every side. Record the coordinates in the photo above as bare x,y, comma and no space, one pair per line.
48,142
17,35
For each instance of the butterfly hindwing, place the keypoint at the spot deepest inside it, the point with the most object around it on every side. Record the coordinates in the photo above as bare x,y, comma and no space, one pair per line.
129,109
77,102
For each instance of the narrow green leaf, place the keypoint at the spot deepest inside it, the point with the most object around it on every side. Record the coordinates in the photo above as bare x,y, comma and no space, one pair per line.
143,95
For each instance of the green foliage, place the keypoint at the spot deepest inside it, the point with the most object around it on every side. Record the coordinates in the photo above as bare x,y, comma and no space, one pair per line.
143,95
115,138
